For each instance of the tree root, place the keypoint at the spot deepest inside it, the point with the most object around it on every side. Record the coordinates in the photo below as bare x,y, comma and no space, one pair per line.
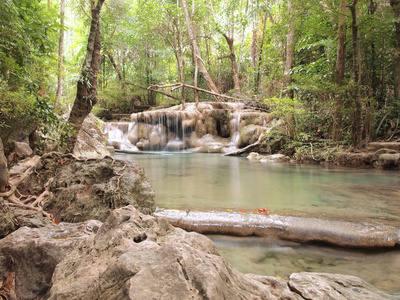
116,191
13,200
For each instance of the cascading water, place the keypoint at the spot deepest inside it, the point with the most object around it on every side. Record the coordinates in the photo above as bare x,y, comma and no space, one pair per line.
208,127
236,128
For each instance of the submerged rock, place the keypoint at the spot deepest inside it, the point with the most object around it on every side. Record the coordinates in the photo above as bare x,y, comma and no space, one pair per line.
274,158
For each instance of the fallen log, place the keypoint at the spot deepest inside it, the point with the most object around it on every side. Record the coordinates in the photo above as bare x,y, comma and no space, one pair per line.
247,148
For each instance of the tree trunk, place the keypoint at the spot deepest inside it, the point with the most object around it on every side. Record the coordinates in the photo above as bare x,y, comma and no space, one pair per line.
242,38
287,78
196,52
340,68
235,68
86,95
3,169
259,60
357,122
395,4
116,67
60,87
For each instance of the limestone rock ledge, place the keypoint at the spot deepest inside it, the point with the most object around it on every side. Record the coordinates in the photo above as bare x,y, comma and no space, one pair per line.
84,189
137,256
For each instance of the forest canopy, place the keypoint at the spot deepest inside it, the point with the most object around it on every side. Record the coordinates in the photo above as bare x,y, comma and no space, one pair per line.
330,68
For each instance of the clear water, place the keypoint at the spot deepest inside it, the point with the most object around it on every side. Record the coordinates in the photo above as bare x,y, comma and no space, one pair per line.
281,258
214,182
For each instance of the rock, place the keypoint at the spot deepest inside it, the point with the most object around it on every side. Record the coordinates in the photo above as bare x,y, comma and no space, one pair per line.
333,286
91,141
89,189
30,218
22,149
136,256
275,158
254,156
7,223
349,159
141,257
154,139
304,230
111,150
249,134
33,254
388,145
389,161
175,145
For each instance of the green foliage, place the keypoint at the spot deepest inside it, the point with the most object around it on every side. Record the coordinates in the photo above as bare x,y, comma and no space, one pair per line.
21,112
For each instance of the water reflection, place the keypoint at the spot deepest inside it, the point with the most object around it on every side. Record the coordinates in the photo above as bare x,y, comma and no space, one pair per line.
214,182
281,258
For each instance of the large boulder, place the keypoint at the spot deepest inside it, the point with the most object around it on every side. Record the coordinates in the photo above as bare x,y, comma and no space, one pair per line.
134,256
91,141
333,286
33,254
249,134
84,189
7,222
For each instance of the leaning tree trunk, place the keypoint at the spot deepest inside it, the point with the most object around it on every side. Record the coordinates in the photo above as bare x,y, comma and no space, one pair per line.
340,68
60,56
3,168
196,52
86,95
357,122
235,68
395,4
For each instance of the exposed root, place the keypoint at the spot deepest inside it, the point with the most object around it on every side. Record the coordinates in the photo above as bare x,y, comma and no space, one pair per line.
116,191
11,197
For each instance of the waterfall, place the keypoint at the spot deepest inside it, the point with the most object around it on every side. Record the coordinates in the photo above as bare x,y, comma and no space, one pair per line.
236,128
208,127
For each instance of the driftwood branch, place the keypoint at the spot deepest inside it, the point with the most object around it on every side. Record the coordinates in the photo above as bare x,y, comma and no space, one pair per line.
183,85
153,90
247,148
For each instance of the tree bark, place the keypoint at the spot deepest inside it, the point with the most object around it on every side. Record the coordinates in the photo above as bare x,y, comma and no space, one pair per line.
60,87
259,60
357,122
395,4
235,68
196,52
287,78
340,68
4,175
116,67
86,95
242,38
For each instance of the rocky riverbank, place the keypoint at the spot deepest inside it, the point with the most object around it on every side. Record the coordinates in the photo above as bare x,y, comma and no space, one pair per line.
136,256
